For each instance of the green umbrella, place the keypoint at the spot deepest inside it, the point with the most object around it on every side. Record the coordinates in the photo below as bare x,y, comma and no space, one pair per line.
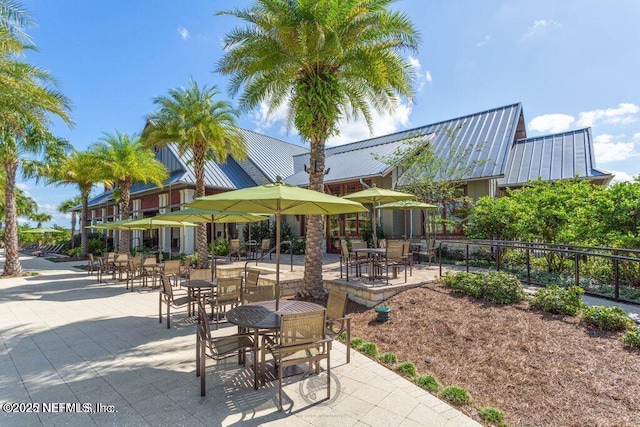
406,205
115,225
154,223
278,199
209,216
41,230
376,195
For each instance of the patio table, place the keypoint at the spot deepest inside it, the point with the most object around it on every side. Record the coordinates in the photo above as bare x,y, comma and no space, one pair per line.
194,286
373,254
263,316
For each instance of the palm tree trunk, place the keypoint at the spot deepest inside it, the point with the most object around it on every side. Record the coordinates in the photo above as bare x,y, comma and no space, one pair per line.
314,236
12,256
74,220
201,233
84,243
125,189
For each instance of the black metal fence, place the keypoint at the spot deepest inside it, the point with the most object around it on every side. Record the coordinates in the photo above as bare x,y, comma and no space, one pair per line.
612,273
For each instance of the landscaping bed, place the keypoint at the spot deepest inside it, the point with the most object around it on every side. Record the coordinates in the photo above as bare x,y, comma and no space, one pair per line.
538,368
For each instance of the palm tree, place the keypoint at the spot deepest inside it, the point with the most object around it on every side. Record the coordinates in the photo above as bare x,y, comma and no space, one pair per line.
40,217
79,169
68,206
328,61
121,161
196,122
27,98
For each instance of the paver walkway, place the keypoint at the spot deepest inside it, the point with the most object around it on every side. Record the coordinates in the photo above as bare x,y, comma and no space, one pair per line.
65,339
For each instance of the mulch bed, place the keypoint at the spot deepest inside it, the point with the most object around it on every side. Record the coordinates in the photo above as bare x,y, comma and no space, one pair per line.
539,369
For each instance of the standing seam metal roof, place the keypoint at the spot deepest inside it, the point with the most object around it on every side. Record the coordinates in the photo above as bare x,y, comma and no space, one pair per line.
484,135
552,157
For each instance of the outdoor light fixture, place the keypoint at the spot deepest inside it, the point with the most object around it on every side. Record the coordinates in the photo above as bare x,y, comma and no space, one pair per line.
315,167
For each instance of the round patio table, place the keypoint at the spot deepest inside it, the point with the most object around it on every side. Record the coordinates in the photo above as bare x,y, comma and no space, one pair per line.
194,286
263,316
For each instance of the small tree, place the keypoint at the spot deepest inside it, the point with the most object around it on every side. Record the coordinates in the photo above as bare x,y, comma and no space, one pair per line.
437,177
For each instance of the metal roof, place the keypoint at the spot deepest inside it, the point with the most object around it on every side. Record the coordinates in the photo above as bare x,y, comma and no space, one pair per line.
227,176
271,156
485,135
552,157
358,162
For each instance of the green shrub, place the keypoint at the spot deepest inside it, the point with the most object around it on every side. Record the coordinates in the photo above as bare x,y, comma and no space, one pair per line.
388,358
607,318
369,348
632,338
356,342
95,246
497,287
554,299
492,416
456,395
407,368
502,288
342,336
74,252
468,283
427,382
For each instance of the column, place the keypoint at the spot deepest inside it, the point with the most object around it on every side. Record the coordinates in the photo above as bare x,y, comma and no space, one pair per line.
188,243
164,233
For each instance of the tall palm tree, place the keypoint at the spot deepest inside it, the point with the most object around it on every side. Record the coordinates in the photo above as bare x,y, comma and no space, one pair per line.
68,206
121,161
198,123
79,169
39,218
328,61
27,99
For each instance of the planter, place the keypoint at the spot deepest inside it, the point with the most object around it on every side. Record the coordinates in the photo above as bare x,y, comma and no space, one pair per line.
384,314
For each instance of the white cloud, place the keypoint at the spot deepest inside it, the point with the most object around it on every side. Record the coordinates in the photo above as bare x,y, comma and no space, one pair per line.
414,62
265,121
552,123
24,187
621,177
183,33
383,124
422,79
353,130
625,113
484,41
540,28
609,148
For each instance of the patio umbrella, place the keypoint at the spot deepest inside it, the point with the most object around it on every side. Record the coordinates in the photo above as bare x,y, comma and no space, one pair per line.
152,223
209,216
41,230
278,199
406,205
376,195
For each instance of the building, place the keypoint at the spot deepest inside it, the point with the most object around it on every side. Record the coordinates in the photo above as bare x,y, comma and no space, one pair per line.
498,156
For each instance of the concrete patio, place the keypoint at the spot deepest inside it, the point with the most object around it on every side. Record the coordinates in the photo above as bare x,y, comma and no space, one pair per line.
67,339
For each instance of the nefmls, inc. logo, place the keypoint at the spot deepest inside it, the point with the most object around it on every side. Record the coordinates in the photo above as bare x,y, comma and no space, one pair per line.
313,389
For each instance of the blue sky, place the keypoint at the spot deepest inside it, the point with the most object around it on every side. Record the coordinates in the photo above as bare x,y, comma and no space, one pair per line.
572,63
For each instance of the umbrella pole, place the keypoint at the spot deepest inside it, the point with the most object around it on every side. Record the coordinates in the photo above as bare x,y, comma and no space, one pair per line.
278,219
213,258
374,220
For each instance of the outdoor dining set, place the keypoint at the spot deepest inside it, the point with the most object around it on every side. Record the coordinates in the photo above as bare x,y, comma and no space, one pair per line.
295,334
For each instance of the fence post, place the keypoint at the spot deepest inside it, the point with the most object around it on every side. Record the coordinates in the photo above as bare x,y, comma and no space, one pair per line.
576,271
440,258
466,258
616,275
528,267
498,258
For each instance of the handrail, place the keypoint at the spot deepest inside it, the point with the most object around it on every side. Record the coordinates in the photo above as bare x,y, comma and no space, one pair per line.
270,251
575,251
